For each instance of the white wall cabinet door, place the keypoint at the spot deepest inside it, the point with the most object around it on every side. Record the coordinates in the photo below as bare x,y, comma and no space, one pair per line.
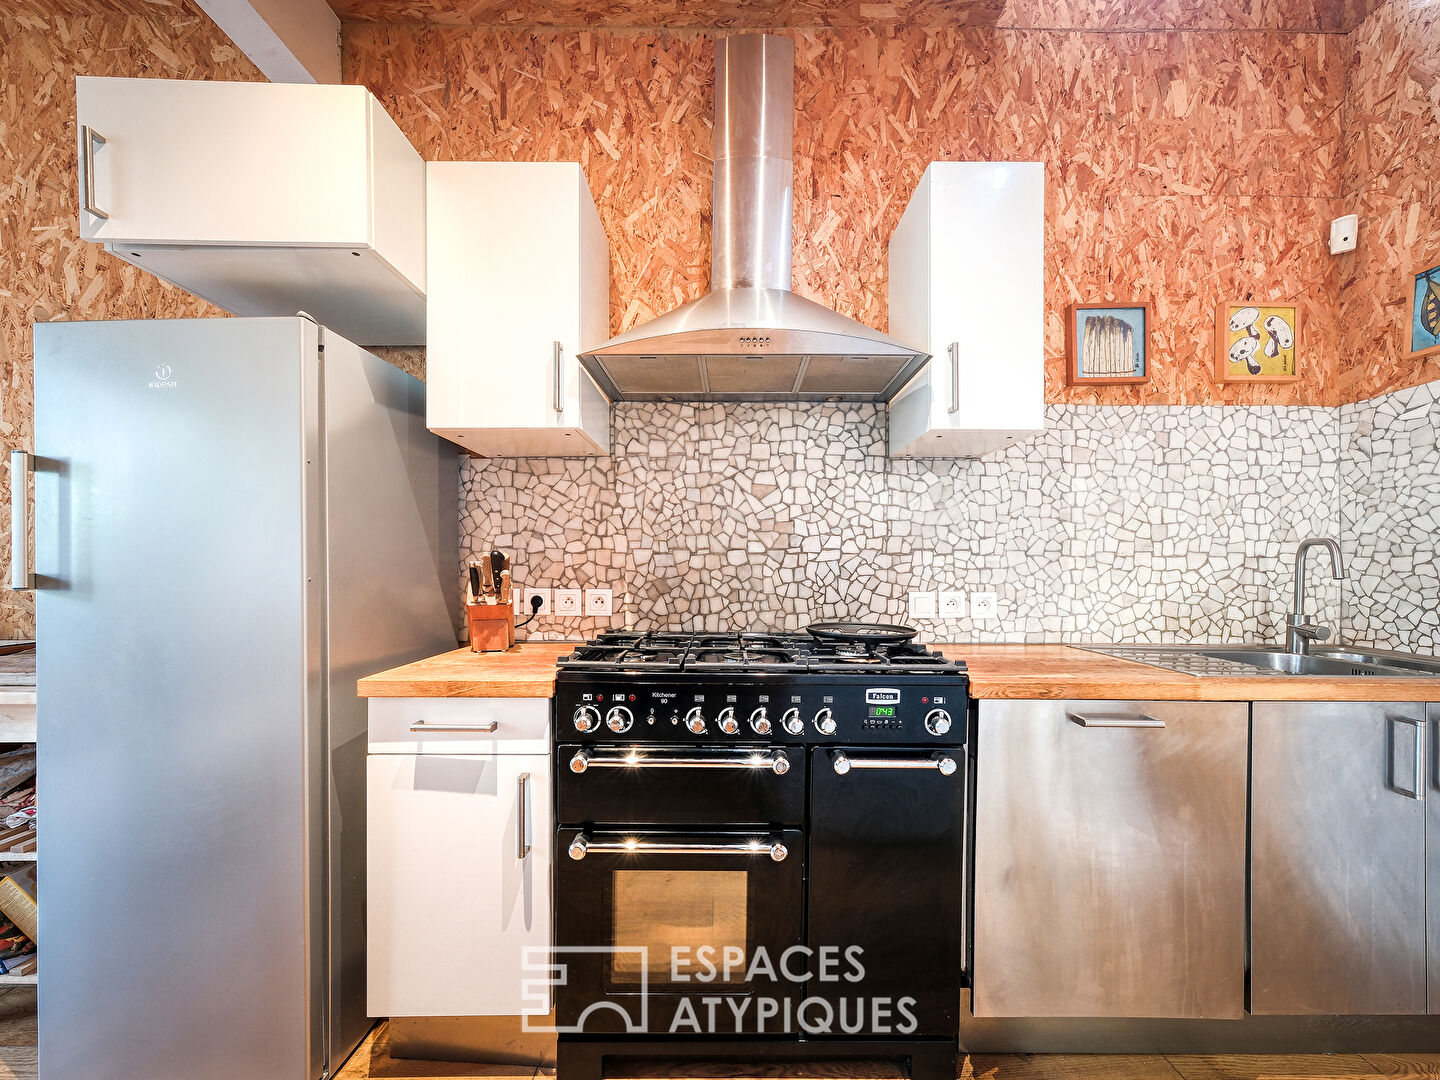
459,882
264,198
520,284
967,285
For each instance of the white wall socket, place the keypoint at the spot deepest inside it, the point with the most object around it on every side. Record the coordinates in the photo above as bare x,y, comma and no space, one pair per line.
598,602
525,602
567,602
922,605
952,604
983,605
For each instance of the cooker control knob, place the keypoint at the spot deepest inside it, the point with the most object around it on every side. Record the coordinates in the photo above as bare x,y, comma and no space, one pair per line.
587,718
792,723
759,722
695,721
619,719
825,722
728,724
937,721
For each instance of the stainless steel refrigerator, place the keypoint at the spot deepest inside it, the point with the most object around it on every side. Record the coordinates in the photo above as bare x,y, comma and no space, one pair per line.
234,520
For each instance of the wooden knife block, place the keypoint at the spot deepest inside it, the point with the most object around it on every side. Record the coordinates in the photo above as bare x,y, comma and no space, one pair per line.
492,626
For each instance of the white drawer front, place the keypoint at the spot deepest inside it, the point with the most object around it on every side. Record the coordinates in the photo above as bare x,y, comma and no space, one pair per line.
459,725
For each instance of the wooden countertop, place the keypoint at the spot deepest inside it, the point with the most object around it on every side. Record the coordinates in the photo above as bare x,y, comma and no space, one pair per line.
523,671
996,671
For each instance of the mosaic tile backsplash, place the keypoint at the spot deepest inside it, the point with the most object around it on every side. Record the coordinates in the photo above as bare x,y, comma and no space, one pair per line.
1124,524
1391,519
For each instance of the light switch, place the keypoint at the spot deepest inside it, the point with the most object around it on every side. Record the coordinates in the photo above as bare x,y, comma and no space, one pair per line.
922,605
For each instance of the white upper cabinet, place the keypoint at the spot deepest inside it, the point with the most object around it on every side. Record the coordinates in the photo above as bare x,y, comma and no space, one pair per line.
967,265
520,283
264,198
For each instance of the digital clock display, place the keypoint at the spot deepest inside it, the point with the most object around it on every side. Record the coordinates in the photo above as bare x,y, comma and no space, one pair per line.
882,712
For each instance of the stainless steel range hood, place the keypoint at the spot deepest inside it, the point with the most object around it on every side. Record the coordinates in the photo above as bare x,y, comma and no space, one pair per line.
751,338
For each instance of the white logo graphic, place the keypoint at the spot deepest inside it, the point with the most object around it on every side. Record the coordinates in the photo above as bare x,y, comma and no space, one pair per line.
164,378
546,962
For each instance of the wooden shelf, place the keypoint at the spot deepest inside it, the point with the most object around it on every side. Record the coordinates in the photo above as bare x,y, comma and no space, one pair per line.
20,980
18,856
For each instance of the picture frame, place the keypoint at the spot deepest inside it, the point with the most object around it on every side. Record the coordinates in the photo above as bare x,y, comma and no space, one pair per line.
1422,312
1099,337
1259,341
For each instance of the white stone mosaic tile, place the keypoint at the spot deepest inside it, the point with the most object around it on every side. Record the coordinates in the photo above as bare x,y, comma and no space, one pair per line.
1125,524
1392,519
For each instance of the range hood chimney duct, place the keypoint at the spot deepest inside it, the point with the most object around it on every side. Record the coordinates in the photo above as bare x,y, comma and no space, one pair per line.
754,190
751,338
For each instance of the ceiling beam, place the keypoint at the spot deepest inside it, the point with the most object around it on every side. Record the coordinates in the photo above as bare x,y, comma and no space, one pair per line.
296,41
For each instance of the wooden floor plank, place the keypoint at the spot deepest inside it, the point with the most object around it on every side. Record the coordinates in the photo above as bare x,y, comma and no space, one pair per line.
1269,1066
1067,1067
19,1063
1417,1066
372,1061
17,1017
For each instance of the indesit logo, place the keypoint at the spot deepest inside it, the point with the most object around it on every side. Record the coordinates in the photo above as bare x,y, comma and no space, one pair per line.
164,378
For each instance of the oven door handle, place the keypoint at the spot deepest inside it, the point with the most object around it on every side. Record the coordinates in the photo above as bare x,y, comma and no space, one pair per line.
585,844
843,763
775,761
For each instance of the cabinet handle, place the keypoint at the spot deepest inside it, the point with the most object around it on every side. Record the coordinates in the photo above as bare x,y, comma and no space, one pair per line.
556,364
484,728
1417,788
1116,721
954,352
90,139
22,468
522,844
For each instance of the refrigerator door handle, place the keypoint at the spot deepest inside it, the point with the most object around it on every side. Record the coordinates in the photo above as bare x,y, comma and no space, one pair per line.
22,468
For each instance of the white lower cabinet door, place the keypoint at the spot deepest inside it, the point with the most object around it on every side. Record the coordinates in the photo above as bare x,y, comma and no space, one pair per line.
459,883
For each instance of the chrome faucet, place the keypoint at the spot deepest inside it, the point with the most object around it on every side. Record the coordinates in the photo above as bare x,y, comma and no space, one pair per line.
1299,633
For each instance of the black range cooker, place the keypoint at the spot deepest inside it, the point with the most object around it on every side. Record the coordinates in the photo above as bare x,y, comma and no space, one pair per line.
761,848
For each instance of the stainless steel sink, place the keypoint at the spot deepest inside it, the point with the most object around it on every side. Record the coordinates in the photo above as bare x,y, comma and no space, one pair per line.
1270,660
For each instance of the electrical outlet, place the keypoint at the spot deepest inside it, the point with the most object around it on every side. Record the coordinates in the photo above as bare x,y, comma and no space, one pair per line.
528,601
952,604
983,605
567,602
922,605
598,602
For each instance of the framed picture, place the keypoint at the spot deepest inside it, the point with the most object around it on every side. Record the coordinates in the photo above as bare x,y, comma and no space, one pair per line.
1422,314
1257,342
1107,344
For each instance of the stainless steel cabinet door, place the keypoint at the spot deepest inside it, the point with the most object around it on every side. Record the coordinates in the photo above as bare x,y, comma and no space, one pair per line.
1338,859
1110,859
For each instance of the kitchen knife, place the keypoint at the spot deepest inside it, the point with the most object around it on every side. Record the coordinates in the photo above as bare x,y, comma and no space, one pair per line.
497,567
487,583
475,591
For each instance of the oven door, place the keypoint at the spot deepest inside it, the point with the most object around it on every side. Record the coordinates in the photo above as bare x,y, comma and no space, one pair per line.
681,786
683,934
887,859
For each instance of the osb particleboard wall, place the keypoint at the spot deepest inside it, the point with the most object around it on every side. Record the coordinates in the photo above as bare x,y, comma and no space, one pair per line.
45,271
1392,148
1183,167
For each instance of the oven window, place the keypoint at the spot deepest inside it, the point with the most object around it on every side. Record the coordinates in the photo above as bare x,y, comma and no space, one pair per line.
685,910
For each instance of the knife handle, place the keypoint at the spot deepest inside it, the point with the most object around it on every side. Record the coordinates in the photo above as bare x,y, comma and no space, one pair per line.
475,593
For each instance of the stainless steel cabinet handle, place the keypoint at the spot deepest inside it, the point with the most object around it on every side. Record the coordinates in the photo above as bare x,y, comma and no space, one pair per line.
557,364
954,352
1098,720
22,468
522,845
640,845
942,763
1417,787
485,727
90,138
776,762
